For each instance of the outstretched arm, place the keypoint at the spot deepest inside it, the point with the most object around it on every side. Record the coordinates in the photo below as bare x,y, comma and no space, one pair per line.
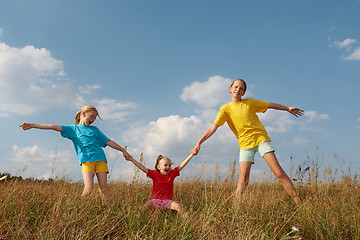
297,112
26,126
183,164
137,164
116,146
211,130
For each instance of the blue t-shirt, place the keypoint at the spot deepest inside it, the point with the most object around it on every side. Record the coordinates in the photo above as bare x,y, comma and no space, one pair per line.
88,142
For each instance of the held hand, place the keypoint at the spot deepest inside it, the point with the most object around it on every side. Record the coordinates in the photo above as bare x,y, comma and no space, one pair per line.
127,156
26,126
297,112
195,150
130,158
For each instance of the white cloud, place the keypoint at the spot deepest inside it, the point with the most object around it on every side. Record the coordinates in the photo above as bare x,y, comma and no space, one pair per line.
4,114
352,52
30,154
346,43
32,80
40,163
111,109
127,172
167,135
208,94
88,89
314,116
355,55
300,140
277,121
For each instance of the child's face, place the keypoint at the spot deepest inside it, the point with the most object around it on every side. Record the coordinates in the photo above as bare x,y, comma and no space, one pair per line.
237,90
88,118
164,166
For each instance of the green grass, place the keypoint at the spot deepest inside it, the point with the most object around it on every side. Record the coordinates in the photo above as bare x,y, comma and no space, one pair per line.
54,210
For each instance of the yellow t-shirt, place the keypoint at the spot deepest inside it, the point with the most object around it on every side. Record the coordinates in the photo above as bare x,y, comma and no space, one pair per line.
244,122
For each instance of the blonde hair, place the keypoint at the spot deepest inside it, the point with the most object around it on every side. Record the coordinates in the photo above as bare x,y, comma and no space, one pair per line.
160,157
87,108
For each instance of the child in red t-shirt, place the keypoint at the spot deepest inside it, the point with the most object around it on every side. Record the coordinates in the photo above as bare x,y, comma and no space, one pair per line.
163,182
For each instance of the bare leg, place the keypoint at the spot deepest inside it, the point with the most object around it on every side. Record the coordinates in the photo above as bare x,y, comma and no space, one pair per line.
177,207
280,174
103,189
244,175
149,205
88,183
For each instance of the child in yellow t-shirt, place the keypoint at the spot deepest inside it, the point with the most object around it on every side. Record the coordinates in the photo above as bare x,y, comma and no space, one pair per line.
240,115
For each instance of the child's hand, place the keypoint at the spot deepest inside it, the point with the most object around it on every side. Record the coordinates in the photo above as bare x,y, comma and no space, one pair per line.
26,126
195,150
297,112
127,156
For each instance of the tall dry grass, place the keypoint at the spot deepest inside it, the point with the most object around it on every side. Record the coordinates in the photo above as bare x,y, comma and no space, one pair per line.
54,210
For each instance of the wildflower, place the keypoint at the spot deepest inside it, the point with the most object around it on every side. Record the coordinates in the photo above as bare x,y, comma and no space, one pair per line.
295,229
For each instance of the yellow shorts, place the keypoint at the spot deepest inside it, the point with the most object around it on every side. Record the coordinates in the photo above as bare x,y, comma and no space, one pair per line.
95,167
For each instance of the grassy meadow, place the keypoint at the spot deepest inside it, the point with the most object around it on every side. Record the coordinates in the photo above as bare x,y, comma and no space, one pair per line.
330,209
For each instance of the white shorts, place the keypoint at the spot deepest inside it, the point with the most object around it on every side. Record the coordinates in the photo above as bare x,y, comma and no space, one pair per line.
247,155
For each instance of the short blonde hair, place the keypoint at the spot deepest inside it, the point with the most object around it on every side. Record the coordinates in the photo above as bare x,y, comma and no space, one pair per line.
87,108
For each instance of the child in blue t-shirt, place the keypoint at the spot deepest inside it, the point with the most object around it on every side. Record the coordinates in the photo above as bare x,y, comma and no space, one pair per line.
88,143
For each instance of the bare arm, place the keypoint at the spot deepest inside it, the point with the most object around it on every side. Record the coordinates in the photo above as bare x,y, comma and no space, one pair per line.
183,164
211,130
116,146
137,164
297,112
26,126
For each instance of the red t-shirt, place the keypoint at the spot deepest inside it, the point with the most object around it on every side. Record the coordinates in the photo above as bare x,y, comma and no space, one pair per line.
163,185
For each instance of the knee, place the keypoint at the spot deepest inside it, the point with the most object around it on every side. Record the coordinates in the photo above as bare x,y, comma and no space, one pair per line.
176,206
280,174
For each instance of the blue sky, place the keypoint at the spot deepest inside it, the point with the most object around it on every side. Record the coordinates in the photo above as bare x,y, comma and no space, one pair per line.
158,71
